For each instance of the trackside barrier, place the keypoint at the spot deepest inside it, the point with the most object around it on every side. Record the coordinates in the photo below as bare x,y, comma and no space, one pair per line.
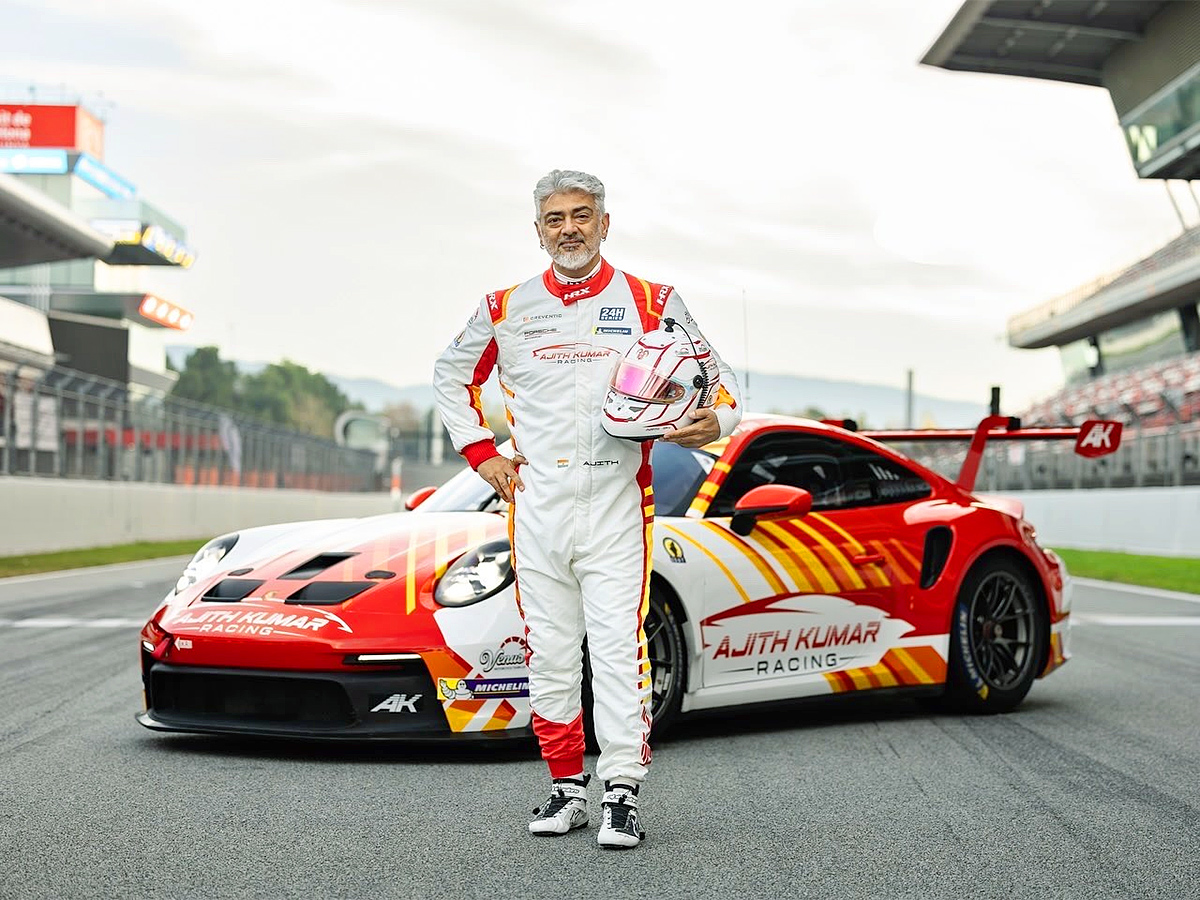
1164,456
1153,521
41,515
63,423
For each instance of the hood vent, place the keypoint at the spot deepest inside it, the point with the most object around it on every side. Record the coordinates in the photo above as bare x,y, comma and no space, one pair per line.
231,590
316,566
327,593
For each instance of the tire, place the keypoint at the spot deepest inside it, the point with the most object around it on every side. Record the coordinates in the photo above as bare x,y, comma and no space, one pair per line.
999,637
668,669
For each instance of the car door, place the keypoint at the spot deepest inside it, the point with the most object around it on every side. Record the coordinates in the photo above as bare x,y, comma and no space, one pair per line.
841,573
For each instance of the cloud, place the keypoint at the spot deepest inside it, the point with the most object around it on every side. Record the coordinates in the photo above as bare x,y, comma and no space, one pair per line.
356,174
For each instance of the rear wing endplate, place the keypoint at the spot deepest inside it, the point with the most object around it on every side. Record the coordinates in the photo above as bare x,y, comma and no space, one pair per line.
1094,438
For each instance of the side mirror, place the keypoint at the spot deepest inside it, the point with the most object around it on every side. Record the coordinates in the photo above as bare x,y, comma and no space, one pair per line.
416,498
767,503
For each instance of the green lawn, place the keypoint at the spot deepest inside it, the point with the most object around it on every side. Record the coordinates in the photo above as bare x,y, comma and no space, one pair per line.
1171,573
95,556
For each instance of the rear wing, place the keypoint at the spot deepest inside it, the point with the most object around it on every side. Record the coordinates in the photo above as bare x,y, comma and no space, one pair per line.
1094,438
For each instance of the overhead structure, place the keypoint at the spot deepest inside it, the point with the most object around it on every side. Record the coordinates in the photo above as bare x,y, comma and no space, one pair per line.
1146,53
35,229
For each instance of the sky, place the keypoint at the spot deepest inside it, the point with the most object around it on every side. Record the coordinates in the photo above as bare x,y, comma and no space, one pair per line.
355,174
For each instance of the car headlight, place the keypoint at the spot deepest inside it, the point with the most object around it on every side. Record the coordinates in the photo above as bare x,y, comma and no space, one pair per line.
476,575
205,562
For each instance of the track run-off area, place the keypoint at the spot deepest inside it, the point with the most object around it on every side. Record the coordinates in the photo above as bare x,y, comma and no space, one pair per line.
1090,789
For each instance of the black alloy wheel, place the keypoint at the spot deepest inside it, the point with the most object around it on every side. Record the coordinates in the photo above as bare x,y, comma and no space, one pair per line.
668,662
667,652
999,638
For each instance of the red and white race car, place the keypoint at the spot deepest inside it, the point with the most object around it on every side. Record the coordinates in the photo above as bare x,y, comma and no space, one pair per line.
794,559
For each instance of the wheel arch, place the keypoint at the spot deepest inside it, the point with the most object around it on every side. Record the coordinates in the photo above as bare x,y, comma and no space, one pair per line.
690,630
1025,564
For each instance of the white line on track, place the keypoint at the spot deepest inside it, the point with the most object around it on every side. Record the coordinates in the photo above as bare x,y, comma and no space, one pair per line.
1137,589
1120,619
95,570
66,622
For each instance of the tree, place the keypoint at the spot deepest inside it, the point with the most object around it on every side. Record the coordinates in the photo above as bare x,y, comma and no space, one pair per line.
206,378
290,394
285,393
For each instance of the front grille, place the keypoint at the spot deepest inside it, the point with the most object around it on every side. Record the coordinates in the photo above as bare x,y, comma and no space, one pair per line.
313,702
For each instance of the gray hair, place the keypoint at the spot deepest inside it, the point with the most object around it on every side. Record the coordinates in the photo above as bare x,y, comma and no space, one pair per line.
563,180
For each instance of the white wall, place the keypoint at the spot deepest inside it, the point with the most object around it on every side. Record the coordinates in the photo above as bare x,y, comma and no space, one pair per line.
39,515
44,514
1157,521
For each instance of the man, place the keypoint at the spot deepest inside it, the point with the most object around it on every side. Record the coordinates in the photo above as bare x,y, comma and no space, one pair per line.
581,500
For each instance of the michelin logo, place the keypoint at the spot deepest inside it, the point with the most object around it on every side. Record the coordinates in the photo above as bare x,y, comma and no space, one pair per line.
481,688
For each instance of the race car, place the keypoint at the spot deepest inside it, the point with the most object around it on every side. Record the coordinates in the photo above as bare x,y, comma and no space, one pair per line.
794,559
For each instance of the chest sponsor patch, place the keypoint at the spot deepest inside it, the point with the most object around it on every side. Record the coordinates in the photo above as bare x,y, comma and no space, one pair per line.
611,329
569,354
538,332
612,314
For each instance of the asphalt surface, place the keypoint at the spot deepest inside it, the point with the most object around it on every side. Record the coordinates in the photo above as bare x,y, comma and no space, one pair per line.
1091,789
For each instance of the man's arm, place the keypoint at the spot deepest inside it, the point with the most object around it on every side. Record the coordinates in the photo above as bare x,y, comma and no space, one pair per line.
722,417
458,377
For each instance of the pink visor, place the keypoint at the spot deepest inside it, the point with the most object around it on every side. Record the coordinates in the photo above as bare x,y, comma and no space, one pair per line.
634,381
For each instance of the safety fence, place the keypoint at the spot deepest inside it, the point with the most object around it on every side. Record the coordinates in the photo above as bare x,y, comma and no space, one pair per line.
59,422
1148,457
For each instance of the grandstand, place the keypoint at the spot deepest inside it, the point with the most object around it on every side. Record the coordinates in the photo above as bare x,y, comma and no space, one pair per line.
1129,340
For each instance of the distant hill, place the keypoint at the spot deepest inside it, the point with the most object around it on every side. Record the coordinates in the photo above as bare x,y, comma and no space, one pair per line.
873,405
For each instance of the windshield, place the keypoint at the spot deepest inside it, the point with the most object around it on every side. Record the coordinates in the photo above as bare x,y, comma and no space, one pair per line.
678,474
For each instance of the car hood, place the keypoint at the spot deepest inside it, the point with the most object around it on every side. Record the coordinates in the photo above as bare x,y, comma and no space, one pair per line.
385,568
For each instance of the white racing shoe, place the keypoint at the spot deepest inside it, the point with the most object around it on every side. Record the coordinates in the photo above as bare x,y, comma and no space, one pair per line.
620,830
566,809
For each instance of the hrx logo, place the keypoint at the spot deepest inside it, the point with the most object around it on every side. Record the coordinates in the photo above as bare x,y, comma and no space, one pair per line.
1098,438
397,703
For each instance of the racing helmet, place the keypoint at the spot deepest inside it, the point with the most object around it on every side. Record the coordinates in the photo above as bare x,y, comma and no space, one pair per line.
665,375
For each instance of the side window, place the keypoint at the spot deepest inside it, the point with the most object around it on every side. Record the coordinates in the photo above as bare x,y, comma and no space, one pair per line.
839,475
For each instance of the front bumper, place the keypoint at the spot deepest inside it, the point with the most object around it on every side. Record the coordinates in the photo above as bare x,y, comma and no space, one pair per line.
398,703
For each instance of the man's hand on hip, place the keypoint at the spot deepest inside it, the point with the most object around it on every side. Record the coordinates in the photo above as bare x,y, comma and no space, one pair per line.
704,430
501,473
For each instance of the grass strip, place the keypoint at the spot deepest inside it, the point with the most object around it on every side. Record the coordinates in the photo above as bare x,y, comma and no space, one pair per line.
1171,573
31,563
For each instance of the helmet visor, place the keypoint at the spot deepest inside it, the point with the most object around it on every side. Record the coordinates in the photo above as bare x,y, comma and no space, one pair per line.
640,383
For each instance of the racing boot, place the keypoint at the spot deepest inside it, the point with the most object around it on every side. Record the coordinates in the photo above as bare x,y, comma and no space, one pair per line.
566,809
620,830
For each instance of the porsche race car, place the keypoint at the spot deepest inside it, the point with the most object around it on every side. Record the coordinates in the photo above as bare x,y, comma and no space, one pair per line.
793,559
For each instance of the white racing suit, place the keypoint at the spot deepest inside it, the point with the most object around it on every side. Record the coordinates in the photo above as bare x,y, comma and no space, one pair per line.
581,529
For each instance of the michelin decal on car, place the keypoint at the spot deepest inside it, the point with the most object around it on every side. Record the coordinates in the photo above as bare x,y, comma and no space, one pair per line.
481,688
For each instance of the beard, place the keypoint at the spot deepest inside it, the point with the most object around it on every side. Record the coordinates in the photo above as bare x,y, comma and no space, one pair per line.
574,259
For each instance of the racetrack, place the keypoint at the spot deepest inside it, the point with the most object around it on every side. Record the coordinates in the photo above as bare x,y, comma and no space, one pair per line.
1091,789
